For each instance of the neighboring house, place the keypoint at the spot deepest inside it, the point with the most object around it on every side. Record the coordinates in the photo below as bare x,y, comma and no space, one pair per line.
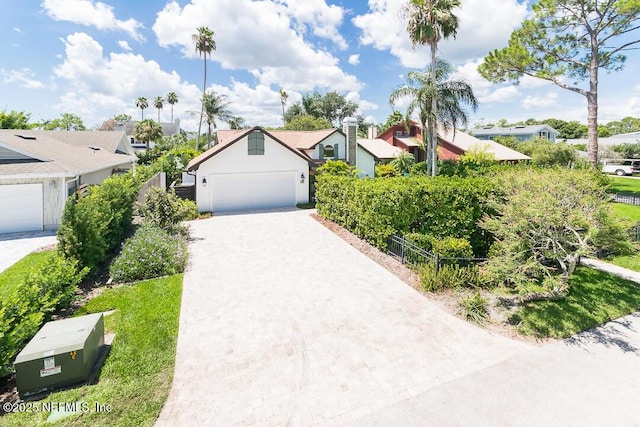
451,145
605,144
523,133
40,169
257,168
168,129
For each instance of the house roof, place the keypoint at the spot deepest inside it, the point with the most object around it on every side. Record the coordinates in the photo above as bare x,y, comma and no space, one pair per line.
513,130
227,138
67,153
303,140
379,148
466,142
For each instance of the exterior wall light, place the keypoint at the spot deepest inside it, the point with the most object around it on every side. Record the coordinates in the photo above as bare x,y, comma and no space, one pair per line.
302,178
204,181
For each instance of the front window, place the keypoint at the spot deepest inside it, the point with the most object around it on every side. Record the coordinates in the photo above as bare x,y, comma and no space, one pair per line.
256,143
328,151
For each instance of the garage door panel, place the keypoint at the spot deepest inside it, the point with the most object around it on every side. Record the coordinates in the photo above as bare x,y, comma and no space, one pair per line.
20,207
252,191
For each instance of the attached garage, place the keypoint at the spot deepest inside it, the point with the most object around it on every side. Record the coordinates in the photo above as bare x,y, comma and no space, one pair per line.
235,191
21,208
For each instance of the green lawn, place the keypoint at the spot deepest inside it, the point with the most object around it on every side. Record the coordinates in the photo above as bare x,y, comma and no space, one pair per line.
632,262
595,298
137,375
624,185
624,211
17,272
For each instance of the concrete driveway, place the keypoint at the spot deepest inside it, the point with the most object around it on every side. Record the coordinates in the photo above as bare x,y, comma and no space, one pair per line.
15,246
283,323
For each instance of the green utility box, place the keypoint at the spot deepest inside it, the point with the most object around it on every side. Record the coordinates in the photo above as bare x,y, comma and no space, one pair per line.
62,353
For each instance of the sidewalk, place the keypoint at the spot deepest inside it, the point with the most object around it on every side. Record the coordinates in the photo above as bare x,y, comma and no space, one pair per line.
625,273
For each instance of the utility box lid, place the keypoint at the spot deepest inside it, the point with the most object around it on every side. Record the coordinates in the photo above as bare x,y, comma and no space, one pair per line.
60,336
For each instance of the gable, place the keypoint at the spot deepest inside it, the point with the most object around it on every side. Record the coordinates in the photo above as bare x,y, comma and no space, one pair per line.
8,155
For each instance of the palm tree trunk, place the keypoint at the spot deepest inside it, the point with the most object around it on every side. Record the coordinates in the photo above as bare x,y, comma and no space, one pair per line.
433,126
171,113
204,89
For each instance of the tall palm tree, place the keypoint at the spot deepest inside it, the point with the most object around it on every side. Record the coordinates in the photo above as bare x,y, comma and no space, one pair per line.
172,98
205,44
142,103
283,100
147,130
428,22
449,97
215,107
158,102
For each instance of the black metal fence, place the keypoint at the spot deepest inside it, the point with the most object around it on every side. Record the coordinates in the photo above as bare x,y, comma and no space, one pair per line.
629,199
408,253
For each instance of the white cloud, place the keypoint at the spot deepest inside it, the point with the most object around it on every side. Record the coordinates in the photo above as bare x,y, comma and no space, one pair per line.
502,94
363,105
96,87
354,59
550,99
124,45
323,19
484,25
90,13
262,37
17,30
23,77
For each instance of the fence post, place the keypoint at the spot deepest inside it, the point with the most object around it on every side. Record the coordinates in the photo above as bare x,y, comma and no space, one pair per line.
437,258
402,250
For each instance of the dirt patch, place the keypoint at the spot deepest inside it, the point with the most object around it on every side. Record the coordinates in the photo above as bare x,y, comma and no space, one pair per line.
447,300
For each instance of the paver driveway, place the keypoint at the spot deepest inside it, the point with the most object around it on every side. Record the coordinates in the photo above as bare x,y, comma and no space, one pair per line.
283,322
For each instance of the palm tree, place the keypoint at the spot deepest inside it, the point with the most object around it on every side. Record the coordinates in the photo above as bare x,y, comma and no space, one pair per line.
142,103
172,98
215,106
429,21
205,43
283,100
449,97
158,103
147,130
403,161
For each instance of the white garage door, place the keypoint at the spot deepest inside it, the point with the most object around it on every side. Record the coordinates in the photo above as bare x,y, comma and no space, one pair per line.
20,207
252,190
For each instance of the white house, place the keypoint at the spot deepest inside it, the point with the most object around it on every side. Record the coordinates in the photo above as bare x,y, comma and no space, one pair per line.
256,168
40,169
522,132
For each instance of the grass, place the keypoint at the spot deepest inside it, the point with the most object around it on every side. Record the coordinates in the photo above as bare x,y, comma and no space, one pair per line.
137,375
624,185
632,262
17,272
624,211
594,298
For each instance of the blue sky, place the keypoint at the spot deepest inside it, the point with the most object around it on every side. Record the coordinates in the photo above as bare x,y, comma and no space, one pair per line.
93,59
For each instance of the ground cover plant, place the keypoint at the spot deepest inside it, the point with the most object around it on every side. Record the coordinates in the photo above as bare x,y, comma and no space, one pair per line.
136,377
624,185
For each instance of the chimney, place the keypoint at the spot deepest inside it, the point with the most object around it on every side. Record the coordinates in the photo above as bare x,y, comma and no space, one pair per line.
372,132
350,129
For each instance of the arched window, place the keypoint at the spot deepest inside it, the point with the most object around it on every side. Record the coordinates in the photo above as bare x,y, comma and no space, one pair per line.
328,151
256,143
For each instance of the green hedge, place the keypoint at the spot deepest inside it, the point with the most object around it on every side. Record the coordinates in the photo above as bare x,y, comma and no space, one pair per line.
440,207
92,226
30,303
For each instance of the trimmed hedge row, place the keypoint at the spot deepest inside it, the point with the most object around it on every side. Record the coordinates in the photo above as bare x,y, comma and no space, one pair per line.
440,207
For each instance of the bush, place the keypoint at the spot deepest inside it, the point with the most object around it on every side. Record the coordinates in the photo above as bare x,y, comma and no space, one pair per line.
92,226
449,277
420,240
30,303
336,168
164,209
386,170
151,252
474,308
452,247
376,208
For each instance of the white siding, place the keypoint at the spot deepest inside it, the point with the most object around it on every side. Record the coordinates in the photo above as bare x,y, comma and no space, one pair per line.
365,163
334,138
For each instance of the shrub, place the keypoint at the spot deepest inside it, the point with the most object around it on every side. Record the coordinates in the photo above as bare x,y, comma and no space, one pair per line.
93,225
336,168
449,277
420,240
164,209
29,304
452,247
386,170
474,308
374,209
151,252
